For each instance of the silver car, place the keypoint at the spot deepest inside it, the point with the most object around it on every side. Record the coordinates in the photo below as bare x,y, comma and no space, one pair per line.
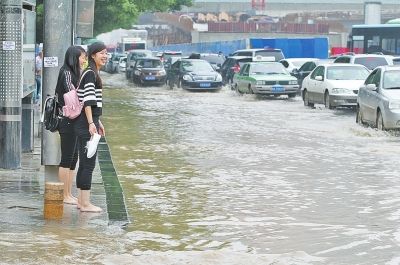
378,100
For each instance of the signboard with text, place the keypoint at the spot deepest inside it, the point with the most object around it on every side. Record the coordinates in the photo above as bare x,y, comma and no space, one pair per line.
85,19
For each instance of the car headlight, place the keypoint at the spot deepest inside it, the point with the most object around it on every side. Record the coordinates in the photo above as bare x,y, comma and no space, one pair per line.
341,91
293,82
137,72
162,72
218,78
394,104
187,78
260,83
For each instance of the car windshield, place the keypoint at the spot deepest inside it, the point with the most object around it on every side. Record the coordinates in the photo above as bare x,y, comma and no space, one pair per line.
371,62
391,79
266,53
195,66
347,73
142,54
149,63
267,69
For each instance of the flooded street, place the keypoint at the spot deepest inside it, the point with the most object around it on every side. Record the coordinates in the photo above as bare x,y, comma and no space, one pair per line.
220,178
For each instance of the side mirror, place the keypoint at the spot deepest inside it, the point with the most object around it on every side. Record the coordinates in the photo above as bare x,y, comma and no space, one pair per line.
319,78
371,87
295,71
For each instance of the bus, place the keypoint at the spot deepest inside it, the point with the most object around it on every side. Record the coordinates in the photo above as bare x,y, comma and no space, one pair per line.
135,39
380,38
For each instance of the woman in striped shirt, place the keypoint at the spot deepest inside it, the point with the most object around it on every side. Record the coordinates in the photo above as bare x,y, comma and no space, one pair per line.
88,123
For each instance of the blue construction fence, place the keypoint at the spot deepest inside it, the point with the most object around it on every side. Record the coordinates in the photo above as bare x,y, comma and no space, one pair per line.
291,47
296,47
226,47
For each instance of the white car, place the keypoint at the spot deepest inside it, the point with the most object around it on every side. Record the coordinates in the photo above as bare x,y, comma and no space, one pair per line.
379,99
122,64
333,85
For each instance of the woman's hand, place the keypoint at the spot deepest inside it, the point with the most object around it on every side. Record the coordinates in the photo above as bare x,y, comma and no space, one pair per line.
102,131
92,129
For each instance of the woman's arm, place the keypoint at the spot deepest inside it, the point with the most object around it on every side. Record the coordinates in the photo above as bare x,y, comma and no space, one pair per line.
92,126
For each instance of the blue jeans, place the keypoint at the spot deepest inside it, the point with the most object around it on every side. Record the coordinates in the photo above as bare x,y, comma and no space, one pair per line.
38,86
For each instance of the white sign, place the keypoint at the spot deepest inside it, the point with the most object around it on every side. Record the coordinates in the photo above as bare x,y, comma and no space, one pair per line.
8,45
50,61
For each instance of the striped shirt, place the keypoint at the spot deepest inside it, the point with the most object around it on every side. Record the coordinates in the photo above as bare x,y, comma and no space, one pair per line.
90,92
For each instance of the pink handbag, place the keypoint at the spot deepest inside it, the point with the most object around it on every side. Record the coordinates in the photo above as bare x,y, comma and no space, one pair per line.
72,106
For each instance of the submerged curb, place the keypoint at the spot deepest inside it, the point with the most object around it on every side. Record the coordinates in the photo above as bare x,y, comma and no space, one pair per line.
114,194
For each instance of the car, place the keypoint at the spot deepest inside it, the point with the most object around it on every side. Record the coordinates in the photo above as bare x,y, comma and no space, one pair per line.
371,61
334,85
295,63
307,68
266,78
378,100
112,64
396,60
194,74
149,71
216,60
231,66
276,54
170,61
132,56
167,54
122,64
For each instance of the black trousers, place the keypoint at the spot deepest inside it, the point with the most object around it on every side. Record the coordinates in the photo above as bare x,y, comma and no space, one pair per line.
69,147
86,165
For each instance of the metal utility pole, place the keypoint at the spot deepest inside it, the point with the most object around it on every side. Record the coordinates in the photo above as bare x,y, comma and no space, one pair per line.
10,83
57,38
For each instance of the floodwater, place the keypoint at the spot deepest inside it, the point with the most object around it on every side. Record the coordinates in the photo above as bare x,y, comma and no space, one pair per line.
220,178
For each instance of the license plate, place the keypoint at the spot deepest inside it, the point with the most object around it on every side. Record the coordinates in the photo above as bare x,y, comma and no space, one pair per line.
278,89
205,84
150,77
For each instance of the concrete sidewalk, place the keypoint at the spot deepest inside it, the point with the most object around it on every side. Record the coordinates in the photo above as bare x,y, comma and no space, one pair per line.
21,196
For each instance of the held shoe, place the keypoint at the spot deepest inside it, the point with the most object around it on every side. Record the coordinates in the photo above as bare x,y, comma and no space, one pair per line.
91,145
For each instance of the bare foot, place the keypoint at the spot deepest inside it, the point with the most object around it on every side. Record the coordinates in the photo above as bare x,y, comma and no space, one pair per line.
78,205
90,208
71,200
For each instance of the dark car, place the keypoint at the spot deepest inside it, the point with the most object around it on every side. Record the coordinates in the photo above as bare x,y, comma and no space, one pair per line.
194,74
307,68
149,71
216,60
231,66
131,60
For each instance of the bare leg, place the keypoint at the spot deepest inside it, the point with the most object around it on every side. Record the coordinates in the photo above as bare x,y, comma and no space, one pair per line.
63,176
71,175
79,199
86,206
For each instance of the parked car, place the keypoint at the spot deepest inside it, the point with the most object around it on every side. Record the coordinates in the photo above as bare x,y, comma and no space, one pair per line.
194,74
378,100
295,63
371,61
231,66
266,78
132,56
334,85
275,54
216,60
307,68
122,64
167,54
149,71
113,62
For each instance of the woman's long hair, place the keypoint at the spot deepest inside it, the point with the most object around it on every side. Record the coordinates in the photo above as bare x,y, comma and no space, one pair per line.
71,62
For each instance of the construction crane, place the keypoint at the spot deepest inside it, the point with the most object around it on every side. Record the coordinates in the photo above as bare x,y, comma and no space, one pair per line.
258,4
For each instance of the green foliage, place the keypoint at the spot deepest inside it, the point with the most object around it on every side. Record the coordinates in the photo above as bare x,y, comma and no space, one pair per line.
39,21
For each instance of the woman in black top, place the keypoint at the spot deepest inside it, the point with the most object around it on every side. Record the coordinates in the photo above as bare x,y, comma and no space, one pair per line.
88,123
68,79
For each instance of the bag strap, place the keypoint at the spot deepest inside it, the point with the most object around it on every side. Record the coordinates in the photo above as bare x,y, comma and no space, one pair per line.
84,73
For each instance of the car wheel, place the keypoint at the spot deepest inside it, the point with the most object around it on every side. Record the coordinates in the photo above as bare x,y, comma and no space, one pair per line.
251,90
327,101
306,99
379,121
359,118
